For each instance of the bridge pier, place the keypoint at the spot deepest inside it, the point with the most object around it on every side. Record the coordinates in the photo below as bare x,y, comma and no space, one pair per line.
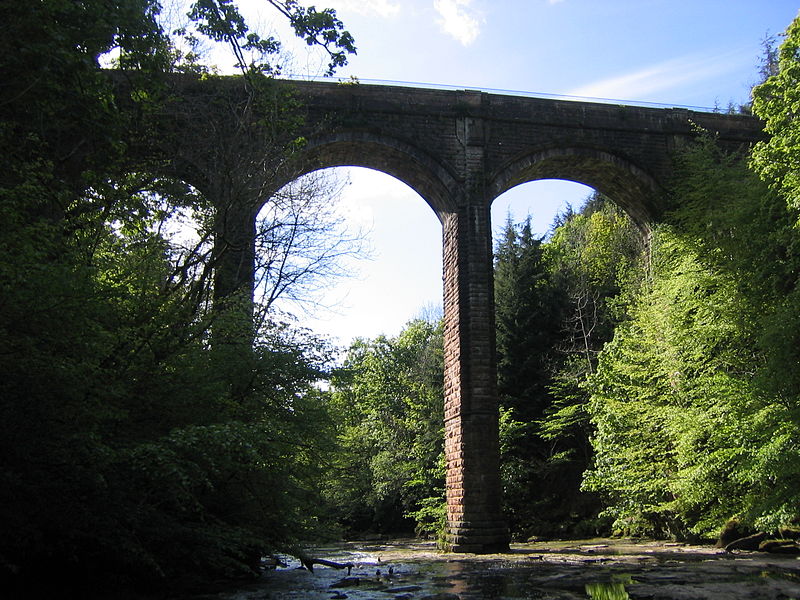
234,250
472,446
233,260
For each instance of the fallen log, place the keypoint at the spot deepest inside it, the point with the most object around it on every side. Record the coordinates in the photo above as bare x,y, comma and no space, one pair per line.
308,562
751,542
779,547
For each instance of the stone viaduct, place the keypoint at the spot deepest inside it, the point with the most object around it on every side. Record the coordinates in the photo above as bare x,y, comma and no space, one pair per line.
459,150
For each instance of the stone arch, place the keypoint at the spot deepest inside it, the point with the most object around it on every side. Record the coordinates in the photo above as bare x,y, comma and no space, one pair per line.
632,188
422,173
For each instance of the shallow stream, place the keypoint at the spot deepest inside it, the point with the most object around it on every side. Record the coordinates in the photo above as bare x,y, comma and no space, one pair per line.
586,569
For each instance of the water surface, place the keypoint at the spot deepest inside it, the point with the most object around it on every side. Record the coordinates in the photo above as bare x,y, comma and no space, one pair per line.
587,569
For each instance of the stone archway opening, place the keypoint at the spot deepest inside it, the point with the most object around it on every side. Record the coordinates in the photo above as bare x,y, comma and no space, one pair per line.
621,180
388,266
375,293
549,336
543,200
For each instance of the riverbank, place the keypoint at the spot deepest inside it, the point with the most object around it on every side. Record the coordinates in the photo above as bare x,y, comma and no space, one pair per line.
601,569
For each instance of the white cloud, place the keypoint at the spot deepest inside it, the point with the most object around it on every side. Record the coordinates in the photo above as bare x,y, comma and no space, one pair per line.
458,19
671,74
377,8
554,1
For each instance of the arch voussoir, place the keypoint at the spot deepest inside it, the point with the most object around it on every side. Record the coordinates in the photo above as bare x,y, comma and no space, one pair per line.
624,182
414,167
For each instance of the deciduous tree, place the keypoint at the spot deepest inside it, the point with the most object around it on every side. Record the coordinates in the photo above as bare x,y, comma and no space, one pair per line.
388,404
127,458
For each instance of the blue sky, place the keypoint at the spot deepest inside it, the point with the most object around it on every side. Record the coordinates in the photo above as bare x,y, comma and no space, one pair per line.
701,53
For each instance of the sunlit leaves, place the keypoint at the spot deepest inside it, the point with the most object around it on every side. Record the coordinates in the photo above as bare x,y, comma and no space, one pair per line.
319,28
691,401
777,102
387,400
555,305
221,21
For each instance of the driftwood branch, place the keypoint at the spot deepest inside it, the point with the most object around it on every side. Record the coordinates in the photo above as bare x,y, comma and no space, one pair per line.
309,562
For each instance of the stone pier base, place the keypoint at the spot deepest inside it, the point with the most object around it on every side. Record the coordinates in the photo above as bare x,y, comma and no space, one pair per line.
477,538
474,518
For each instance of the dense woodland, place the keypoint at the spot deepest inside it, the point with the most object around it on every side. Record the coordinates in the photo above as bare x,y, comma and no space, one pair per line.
649,382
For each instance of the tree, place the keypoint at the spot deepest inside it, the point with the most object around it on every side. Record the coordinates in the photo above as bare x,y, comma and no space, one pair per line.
777,159
128,457
221,21
594,255
694,402
555,309
300,242
660,398
387,401
528,316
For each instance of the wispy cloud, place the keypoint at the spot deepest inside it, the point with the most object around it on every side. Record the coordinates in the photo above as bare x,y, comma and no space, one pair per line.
670,74
377,8
458,20
554,1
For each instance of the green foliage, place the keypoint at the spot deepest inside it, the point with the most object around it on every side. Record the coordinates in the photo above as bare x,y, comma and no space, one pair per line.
657,385
221,21
126,448
777,159
431,519
387,402
607,591
135,453
594,257
555,310
694,401
528,317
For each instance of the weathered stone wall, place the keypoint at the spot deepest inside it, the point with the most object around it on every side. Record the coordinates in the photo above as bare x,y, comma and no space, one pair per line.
472,447
623,151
